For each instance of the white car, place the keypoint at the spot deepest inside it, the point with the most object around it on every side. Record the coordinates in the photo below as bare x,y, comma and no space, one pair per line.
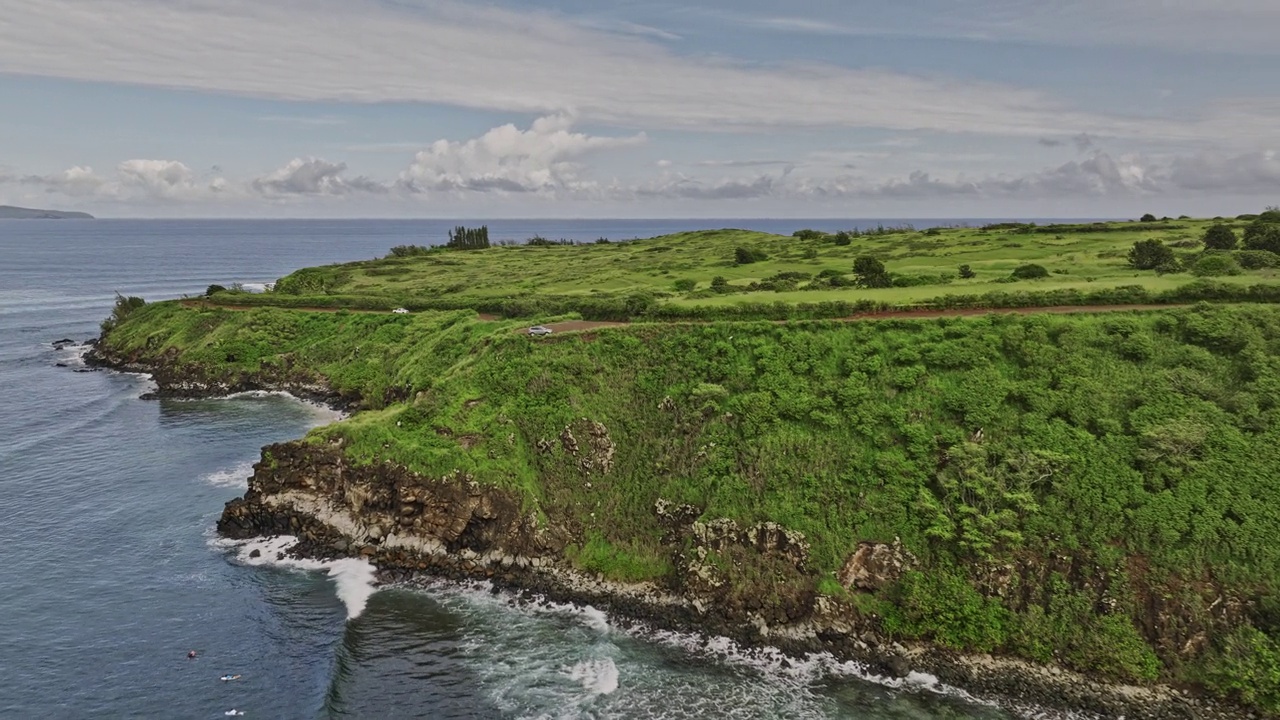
400,311
539,330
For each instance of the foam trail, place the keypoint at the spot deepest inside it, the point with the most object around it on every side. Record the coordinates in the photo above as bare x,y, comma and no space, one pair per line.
598,677
353,577
235,477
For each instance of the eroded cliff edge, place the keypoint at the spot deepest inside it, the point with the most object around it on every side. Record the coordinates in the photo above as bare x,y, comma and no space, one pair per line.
411,526
1084,492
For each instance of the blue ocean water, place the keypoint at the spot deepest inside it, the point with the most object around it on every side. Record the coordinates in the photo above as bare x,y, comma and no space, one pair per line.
112,573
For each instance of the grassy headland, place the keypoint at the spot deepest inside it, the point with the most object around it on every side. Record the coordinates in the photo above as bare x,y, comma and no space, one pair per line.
1093,490
726,274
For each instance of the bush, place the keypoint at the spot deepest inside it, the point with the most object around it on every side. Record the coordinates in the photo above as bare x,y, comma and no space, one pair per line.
1220,237
746,255
409,250
124,307
1150,254
1148,218
1215,265
685,285
871,272
967,272
1262,235
719,284
214,289
843,238
1257,259
808,234
1030,271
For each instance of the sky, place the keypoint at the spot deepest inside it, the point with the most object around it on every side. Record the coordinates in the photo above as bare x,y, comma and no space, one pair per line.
640,108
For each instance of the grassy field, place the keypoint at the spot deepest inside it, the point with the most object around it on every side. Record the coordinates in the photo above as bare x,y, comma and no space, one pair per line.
677,271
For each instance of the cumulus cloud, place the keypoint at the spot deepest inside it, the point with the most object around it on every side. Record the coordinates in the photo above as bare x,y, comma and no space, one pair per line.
133,180
508,159
76,181
337,50
688,188
313,176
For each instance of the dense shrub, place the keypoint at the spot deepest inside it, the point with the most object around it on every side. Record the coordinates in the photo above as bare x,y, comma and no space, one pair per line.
1148,218
1030,271
843,238
1215,265
1257,259
400,251
214,289
1220,237
747,255
685,285
967,272
123,308
808,234
871,272
1150,254
1262,235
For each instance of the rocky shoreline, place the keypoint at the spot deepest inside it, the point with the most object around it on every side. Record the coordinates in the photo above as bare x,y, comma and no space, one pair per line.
411,527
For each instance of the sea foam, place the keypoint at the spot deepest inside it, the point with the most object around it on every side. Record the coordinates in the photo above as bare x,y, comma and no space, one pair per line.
353,577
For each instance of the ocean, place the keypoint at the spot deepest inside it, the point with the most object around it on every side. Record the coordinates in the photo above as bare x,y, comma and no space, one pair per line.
112,572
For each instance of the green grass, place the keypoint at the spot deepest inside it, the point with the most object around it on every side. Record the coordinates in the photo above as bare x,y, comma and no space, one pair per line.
1084,489
1082,258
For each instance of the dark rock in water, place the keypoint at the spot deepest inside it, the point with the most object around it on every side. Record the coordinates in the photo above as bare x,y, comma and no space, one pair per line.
897,665
86,369
149,396
63,343
255,553
60,364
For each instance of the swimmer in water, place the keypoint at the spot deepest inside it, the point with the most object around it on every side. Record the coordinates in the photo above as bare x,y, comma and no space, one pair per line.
191,654
225,678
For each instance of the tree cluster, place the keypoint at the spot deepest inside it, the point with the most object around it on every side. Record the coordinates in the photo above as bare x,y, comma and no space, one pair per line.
464,238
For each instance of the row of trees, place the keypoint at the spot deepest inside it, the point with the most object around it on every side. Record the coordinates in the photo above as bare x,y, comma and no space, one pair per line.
464,238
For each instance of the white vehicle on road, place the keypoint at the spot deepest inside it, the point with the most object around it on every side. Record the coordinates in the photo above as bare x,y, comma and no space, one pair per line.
400,311
539,330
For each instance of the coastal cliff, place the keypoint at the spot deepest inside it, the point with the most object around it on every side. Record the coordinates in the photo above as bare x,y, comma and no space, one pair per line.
1071,511
410,527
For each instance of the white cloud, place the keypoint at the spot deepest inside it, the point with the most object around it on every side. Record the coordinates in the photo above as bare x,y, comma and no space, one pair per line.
1198,26
133,181
313,176
507,159
157,178
76,181
482,57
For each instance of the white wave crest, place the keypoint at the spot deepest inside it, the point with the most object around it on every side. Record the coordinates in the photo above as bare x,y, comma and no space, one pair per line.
353,577
598,676
233,477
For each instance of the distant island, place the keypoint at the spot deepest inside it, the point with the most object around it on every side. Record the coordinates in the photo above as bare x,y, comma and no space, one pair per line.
9,212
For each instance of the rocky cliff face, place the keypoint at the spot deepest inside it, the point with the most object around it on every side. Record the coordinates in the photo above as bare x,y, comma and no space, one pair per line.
751,583
178,380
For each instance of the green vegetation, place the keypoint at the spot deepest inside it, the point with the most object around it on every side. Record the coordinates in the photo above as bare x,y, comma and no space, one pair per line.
1085,263
1220,237
1052,473
1097,490
461,238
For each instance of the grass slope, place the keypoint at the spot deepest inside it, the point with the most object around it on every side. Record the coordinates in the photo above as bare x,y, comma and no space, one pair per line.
1095,490
673,275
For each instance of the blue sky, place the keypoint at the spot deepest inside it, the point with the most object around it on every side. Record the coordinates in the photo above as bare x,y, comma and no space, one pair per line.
613,108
